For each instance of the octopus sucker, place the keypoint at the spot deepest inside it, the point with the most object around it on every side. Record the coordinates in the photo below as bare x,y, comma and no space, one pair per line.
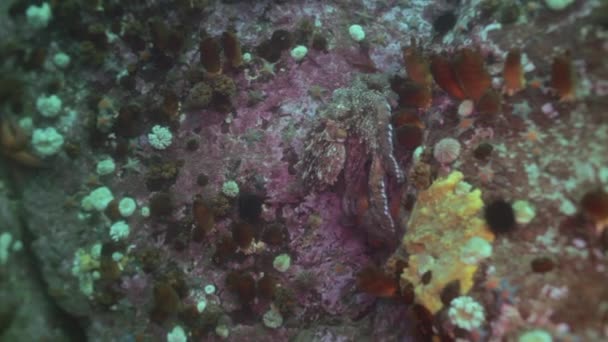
378,199
392,166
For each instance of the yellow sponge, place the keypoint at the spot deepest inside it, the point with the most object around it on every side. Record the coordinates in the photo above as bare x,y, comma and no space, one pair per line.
445,218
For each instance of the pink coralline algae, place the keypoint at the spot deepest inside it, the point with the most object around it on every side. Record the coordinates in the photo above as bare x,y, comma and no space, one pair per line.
352,131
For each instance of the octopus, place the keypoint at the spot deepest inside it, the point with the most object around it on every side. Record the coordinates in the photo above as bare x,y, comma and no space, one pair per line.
353,138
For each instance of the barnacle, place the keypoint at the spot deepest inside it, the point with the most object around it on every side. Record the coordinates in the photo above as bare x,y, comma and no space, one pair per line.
562,77
272,48
319,42
285,300
112,211
303,31
171,105
12,92
274,234
416,65
250,206
412,94
36,58
204,219
463,77
232,49
127,124
221,205
224,250
406,117
445,77
409,129
243,234
211,57
266,286
513,73
362,60
161,204
133,34
166,302
282,39
470,72
164,39
243,285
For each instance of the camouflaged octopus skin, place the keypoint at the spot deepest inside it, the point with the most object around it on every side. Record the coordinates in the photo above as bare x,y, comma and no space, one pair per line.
361,113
